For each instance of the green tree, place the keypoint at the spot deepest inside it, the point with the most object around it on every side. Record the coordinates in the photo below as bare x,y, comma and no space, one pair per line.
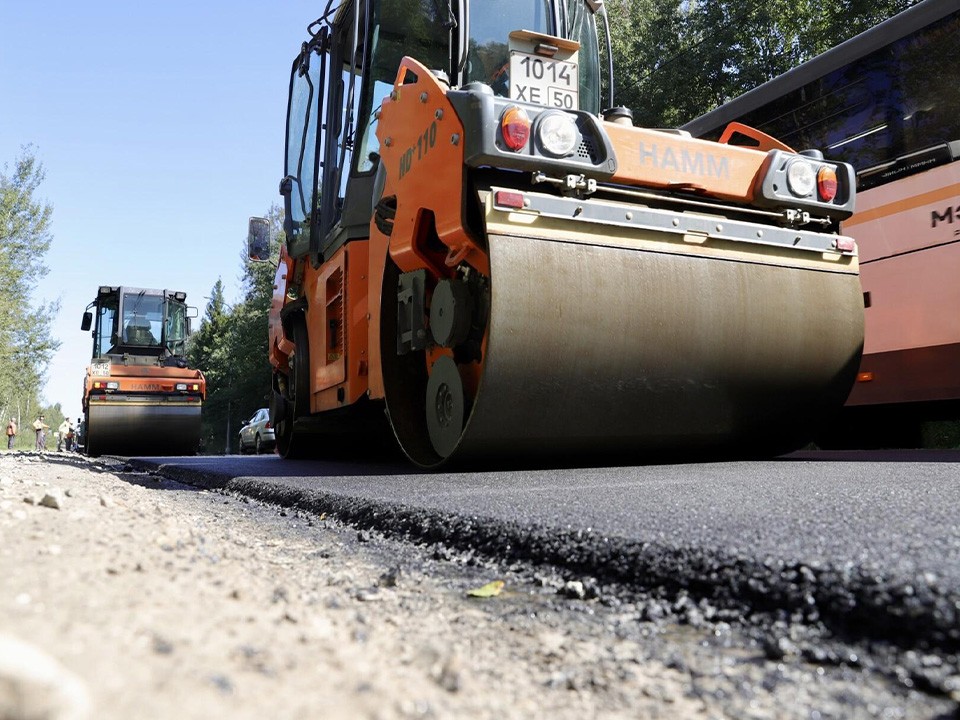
249,339
26,345
207,352
677,59
231,348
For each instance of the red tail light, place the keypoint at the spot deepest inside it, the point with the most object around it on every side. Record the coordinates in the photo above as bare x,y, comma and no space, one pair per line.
827,183
515,126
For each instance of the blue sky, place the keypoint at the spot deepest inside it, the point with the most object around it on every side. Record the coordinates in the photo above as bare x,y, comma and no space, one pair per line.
161,128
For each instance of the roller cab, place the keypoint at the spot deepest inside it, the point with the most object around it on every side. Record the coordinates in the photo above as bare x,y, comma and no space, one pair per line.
140,396
486,266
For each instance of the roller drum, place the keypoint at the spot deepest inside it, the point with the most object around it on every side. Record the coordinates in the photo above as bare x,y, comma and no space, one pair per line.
144,428
604,351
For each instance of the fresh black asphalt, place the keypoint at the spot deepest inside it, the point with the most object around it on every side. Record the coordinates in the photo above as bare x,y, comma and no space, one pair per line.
870,545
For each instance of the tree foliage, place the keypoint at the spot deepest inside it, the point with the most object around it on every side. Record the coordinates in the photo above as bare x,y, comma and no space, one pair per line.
677,59
230,347
26,346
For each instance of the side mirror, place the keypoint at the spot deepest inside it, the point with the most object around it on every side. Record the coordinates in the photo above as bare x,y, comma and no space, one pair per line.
192,312
258,239
87,321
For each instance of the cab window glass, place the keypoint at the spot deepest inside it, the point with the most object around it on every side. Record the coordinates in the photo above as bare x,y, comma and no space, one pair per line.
176,328
420,29
581,26
106,326
142,319
491,23
878,108
302,128
344,99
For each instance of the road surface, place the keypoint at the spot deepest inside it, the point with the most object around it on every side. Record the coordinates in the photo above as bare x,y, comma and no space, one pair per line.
868,544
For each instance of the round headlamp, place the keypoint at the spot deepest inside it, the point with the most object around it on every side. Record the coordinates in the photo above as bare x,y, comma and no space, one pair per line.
557,134
801,177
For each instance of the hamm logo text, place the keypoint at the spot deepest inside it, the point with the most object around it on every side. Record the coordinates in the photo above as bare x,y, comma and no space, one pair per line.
684,161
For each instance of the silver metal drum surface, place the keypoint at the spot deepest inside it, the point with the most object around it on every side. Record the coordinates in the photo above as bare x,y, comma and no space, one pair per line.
142,427
601,349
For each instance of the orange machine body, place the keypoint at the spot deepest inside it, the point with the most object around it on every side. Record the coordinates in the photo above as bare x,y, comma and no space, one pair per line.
140,395
422,144
140,379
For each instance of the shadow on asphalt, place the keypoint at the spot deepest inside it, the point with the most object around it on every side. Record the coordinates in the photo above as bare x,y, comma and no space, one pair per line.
354,463
272,466
891,456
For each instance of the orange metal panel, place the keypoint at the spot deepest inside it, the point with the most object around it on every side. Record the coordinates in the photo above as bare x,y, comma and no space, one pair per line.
336,317
664,160
908,234
421,143
937,196
146,379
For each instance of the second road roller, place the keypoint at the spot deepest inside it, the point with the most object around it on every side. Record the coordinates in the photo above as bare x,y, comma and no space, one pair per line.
479,259
140,395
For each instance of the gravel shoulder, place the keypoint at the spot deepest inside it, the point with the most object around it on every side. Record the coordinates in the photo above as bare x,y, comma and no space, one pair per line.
126,595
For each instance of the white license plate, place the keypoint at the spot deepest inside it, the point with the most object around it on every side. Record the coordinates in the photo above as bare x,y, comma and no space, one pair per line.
544,81
100,369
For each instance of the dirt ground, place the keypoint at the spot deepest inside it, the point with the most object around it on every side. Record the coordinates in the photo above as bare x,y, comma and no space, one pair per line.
124,595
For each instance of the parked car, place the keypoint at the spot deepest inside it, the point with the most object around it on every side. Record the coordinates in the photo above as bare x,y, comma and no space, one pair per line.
256,435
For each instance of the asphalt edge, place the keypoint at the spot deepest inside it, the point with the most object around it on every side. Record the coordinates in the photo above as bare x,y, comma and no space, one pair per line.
854,603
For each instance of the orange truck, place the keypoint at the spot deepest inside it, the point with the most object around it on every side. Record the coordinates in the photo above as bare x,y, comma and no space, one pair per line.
876,101
480,260
139,395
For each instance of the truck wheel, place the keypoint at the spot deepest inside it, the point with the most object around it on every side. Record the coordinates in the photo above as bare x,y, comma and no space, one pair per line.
92,449
296,404
444,406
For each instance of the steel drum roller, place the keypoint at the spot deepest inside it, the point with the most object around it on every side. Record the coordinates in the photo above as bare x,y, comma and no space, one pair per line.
166,428
598,348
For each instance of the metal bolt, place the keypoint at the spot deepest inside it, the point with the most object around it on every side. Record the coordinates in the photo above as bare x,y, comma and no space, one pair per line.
719,227
759,233
394,95
629,216
455,139
438,114
423,97
676,222
388,141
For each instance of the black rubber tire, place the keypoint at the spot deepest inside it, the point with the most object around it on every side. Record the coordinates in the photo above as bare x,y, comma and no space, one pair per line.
257,449
91,449
290,444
